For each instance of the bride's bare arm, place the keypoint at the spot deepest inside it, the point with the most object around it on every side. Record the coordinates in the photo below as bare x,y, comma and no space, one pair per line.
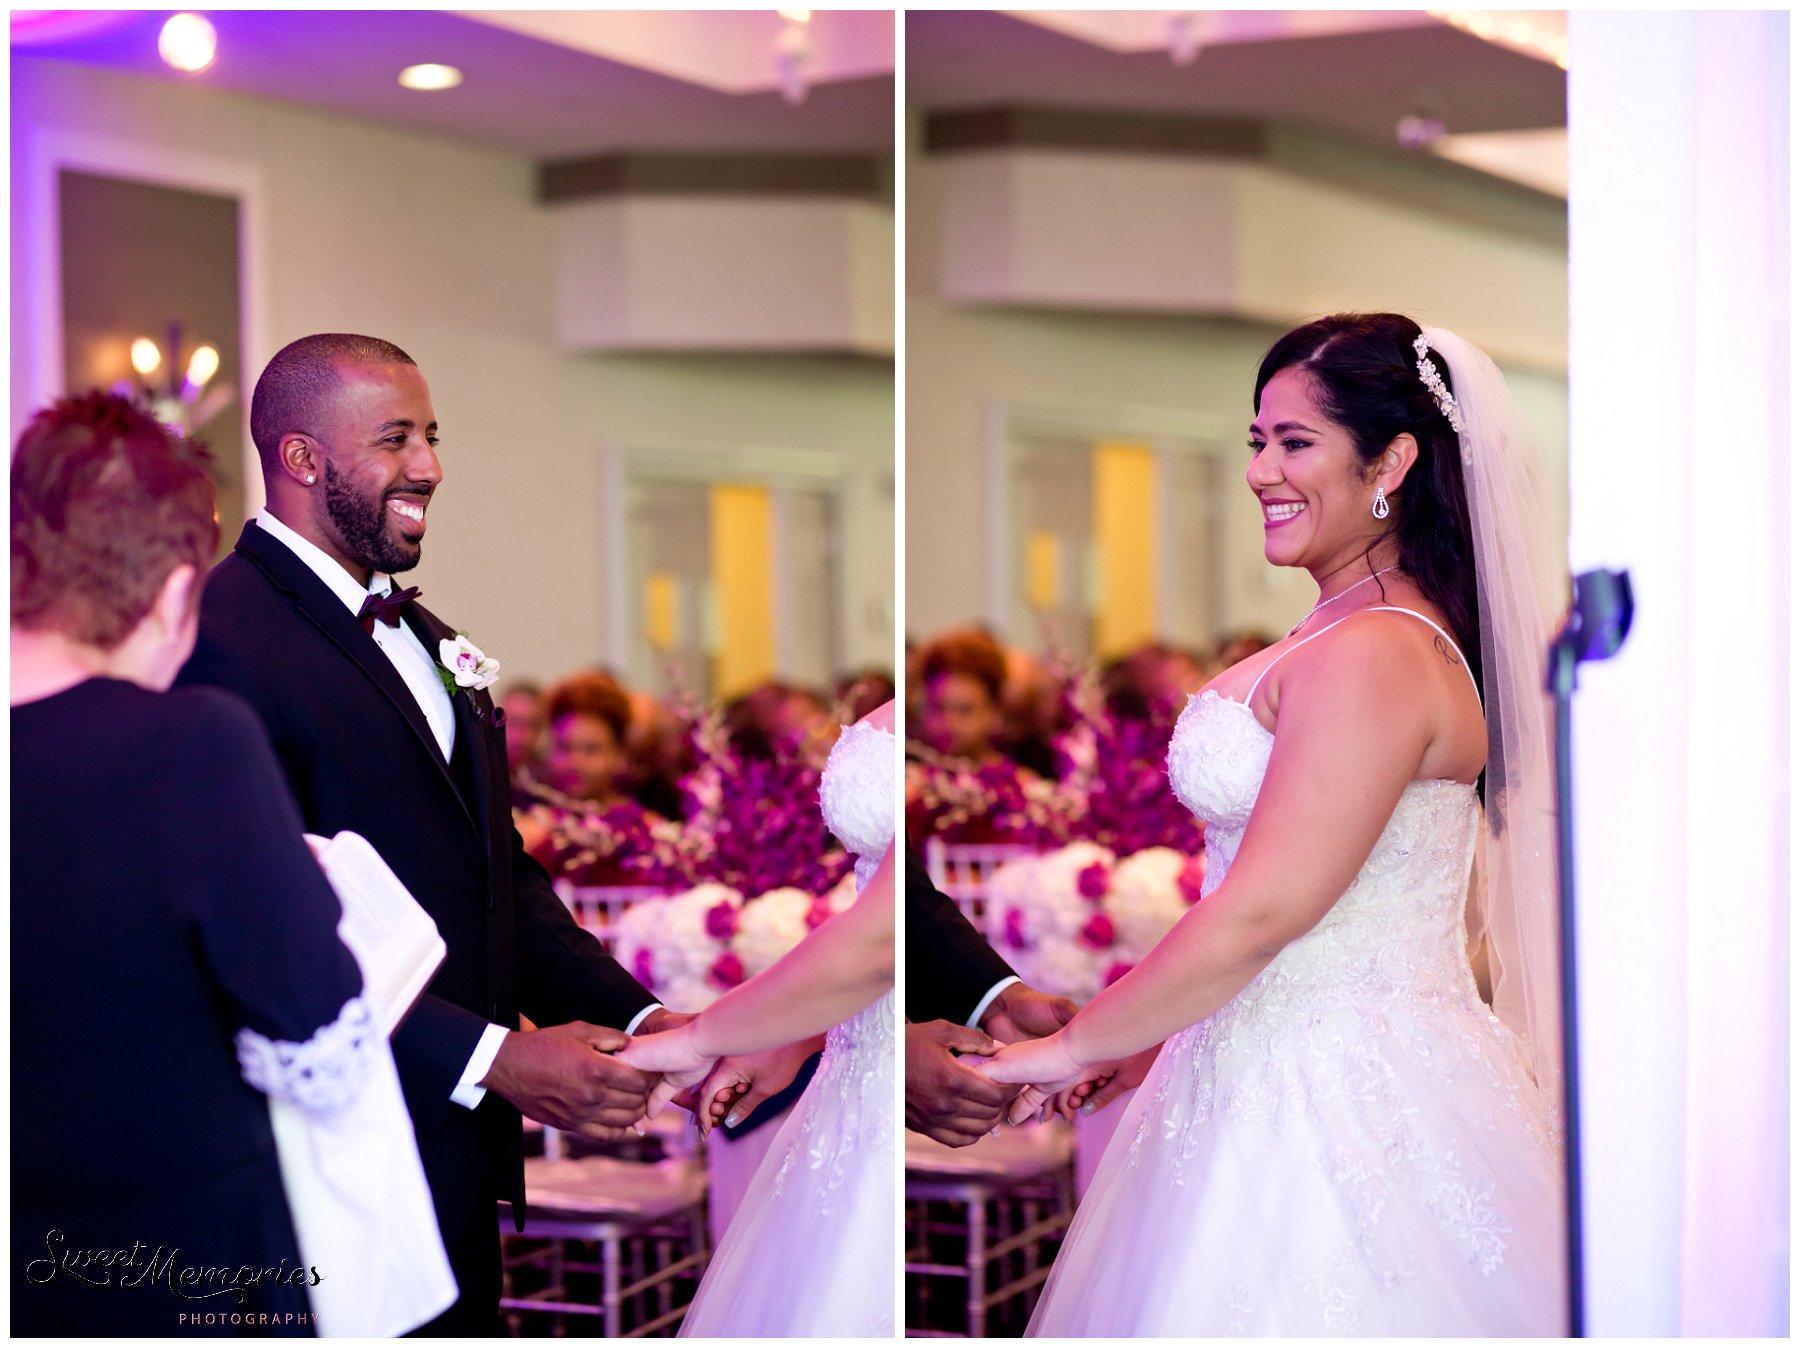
1355,721
835,972
832,974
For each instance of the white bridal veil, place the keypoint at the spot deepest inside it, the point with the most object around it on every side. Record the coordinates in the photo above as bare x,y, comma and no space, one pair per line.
1518,593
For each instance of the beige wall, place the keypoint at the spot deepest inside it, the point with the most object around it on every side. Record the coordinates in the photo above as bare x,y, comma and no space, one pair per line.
440,247
1171,369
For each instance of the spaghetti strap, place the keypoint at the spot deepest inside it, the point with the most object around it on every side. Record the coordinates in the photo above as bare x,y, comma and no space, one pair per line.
1373,608
1251,695
1463,659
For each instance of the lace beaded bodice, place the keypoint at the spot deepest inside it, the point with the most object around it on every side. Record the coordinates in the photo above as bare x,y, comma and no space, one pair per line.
856,795
1353,1143
849,1105
1401,919
1389,957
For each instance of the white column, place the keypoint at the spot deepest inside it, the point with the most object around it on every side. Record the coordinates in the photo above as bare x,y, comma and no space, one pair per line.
1679,440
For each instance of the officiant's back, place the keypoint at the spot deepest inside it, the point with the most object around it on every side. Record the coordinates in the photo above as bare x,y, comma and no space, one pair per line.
163,902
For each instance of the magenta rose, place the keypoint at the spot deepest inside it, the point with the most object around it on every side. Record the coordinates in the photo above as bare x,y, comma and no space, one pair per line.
727,970
1093,882
1099,931
1014,931
643,968
1192,877
721,921
818,914
1115,973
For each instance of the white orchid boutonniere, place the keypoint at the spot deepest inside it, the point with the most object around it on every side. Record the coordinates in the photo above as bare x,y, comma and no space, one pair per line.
462,665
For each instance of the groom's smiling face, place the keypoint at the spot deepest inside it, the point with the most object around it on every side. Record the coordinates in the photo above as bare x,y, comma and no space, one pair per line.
381,467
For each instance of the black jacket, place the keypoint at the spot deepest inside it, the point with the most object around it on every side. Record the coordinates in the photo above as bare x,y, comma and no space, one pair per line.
360,755
949,968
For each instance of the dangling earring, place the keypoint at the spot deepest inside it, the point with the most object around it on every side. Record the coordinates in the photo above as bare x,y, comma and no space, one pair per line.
1380,508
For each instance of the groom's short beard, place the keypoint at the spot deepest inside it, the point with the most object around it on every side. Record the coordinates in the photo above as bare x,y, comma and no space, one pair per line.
362,525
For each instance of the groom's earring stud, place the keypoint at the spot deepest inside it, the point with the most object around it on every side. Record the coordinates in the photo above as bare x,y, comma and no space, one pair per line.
310,479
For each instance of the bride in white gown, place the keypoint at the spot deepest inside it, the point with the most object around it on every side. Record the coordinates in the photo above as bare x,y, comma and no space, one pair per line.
1338,1136
811,1249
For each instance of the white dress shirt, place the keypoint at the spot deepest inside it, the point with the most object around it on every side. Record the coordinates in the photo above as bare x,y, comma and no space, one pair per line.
416,665
981,1007
419,668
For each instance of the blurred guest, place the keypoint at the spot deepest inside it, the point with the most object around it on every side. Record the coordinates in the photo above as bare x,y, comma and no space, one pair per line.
960,786
164,904
523,705
964,674
1122,688
659,754
1151,683
859,694
771,715
1242,646
589,717
586,829
1032,712
1185,671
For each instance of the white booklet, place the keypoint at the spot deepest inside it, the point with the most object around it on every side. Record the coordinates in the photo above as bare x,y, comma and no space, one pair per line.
393,938
361,1206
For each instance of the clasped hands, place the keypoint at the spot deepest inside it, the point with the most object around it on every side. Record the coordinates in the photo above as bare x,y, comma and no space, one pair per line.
601,1083
718,1089
955,1102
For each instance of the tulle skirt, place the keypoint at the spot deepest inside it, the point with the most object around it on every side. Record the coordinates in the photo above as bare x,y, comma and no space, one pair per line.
1351,1172
811,1251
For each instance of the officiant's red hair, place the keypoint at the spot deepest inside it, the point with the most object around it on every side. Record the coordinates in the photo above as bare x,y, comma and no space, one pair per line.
105,503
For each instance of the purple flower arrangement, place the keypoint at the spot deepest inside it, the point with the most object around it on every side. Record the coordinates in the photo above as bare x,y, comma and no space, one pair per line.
754,823
993,802
749,872
1112,788
1114,769
751,824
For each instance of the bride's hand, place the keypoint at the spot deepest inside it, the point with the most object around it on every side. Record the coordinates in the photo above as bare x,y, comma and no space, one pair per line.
1044,1066
1110,1083
671,1054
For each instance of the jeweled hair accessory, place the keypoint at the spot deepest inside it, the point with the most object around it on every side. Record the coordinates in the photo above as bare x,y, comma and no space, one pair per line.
1435,382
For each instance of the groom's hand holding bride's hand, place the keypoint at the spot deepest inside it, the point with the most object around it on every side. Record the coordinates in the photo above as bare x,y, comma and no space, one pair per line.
1043,1066
946,1100
567,1076
1091,1096
1022,1012
674,1054
737,1085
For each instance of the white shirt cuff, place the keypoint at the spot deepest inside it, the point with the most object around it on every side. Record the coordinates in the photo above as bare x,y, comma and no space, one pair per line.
981,1007
638,1019
468,1093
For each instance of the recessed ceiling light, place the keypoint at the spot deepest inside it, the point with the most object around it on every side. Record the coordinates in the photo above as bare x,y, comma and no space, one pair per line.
430,76
188,42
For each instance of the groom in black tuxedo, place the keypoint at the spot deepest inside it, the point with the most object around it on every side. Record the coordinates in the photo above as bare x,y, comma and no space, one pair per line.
959,992
349,685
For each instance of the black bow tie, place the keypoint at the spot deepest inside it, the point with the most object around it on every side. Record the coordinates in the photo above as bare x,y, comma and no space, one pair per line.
385,608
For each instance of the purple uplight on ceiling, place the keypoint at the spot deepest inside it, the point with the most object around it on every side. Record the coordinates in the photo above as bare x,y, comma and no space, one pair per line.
518,94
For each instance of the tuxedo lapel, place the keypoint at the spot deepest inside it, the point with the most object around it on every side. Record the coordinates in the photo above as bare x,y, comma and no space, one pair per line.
470,708
313,599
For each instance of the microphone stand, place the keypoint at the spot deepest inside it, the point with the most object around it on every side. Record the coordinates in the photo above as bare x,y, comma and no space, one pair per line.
1595,629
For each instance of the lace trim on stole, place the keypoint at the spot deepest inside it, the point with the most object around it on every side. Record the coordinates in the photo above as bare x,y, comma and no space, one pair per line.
320,1075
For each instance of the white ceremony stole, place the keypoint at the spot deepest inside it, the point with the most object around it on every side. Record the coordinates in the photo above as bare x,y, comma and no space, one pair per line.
355,1185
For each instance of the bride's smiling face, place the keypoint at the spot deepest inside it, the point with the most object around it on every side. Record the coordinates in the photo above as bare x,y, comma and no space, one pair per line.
1306,473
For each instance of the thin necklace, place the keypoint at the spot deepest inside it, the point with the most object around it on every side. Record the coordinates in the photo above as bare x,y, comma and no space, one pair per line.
1339,595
